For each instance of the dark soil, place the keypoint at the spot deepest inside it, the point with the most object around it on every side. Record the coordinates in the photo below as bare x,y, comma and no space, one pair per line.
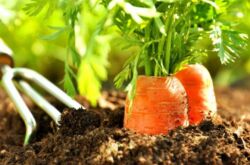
96,136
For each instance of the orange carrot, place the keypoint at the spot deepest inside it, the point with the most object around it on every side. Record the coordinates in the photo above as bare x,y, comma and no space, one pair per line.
159,105
199,87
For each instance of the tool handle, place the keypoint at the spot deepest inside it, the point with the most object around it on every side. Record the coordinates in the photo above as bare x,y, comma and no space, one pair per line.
5,55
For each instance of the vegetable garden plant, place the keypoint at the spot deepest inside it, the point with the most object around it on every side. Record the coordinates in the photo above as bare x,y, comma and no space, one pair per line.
166,84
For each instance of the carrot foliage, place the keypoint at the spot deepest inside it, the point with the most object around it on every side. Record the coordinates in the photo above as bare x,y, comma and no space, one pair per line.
169,32
85,24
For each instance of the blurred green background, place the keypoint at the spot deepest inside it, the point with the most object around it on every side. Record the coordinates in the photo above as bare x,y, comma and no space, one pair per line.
25,36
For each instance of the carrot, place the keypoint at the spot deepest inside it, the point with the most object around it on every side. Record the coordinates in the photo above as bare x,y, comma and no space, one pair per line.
159,105
199,87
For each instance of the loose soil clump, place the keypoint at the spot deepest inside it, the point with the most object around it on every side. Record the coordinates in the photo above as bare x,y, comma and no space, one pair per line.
96,136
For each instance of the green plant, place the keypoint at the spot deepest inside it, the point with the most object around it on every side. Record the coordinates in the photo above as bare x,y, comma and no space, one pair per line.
22,34
168,33
238,72
87,46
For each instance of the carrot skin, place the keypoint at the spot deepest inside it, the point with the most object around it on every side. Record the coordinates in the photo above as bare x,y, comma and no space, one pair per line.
159,105
200,91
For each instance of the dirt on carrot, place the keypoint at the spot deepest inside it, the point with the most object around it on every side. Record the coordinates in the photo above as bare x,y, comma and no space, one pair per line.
103,140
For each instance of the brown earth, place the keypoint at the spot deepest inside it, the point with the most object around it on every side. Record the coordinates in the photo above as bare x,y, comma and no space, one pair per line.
96,136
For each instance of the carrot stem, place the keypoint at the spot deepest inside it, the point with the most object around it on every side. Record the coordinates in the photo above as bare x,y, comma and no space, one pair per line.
148,69
168,51
169,39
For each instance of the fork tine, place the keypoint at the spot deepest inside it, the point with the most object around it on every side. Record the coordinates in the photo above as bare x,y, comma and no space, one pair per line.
47,86
40,101
21,107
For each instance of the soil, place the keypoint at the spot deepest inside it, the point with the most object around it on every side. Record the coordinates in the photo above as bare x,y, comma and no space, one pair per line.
95,136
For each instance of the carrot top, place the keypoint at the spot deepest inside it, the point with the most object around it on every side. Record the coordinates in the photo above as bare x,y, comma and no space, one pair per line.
169,34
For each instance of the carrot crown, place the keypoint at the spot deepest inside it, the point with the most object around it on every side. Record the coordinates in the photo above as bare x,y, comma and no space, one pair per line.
170,33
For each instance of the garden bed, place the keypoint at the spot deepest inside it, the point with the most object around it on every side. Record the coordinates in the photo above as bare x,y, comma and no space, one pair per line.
96,136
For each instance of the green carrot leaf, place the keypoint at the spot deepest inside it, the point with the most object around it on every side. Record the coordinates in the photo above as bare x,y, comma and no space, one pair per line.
88,84
56,34
227,43
68,83
34,7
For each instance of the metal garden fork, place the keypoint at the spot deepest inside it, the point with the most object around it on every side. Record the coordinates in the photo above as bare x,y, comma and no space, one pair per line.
21,76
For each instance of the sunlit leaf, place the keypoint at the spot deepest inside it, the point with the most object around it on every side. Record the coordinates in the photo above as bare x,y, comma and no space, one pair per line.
34,7
55,35
227,43
68,83
88,84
